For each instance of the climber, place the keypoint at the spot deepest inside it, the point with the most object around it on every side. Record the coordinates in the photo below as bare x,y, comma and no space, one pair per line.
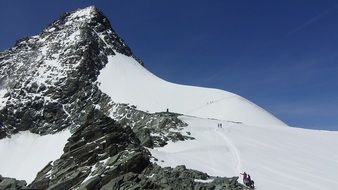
251,182
247,180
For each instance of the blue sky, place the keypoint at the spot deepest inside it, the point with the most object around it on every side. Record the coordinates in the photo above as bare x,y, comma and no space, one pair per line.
282,55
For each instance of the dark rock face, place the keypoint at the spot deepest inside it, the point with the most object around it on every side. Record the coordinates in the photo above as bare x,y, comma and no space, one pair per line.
48,80
182,178
44,75
100,147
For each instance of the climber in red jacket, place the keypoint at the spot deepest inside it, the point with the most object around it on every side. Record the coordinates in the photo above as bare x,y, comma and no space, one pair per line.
247,180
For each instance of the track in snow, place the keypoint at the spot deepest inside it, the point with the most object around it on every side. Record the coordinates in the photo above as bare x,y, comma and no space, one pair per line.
276,158
234,152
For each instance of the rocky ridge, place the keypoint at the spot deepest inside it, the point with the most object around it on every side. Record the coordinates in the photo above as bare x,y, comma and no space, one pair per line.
153,129
103,154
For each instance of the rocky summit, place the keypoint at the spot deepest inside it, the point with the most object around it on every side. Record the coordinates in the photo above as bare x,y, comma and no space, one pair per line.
48,83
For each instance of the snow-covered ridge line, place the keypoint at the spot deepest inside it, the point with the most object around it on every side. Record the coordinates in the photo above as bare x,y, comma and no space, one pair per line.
126,81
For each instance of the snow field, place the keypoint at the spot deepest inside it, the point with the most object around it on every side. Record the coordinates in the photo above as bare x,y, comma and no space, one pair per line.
276,158
23,155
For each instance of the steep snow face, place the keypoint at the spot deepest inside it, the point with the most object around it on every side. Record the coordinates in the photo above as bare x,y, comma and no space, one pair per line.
126,81
277,158
25,154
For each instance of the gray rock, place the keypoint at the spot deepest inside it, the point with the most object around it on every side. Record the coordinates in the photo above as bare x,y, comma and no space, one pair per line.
153,130
12,184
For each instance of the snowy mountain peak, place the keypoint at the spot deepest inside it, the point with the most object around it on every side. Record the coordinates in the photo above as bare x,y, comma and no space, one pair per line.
42,76
89,20
79,75
72,27
48,78
88,12
77,18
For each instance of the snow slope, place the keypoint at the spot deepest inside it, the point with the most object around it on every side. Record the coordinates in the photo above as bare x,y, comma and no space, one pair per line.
277,158
126,81
25,154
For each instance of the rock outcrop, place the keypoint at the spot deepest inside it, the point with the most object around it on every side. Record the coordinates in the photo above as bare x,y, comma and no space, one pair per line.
12,184
103,154
153,130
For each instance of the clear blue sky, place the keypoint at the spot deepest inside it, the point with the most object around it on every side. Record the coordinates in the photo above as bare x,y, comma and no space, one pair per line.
282,55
